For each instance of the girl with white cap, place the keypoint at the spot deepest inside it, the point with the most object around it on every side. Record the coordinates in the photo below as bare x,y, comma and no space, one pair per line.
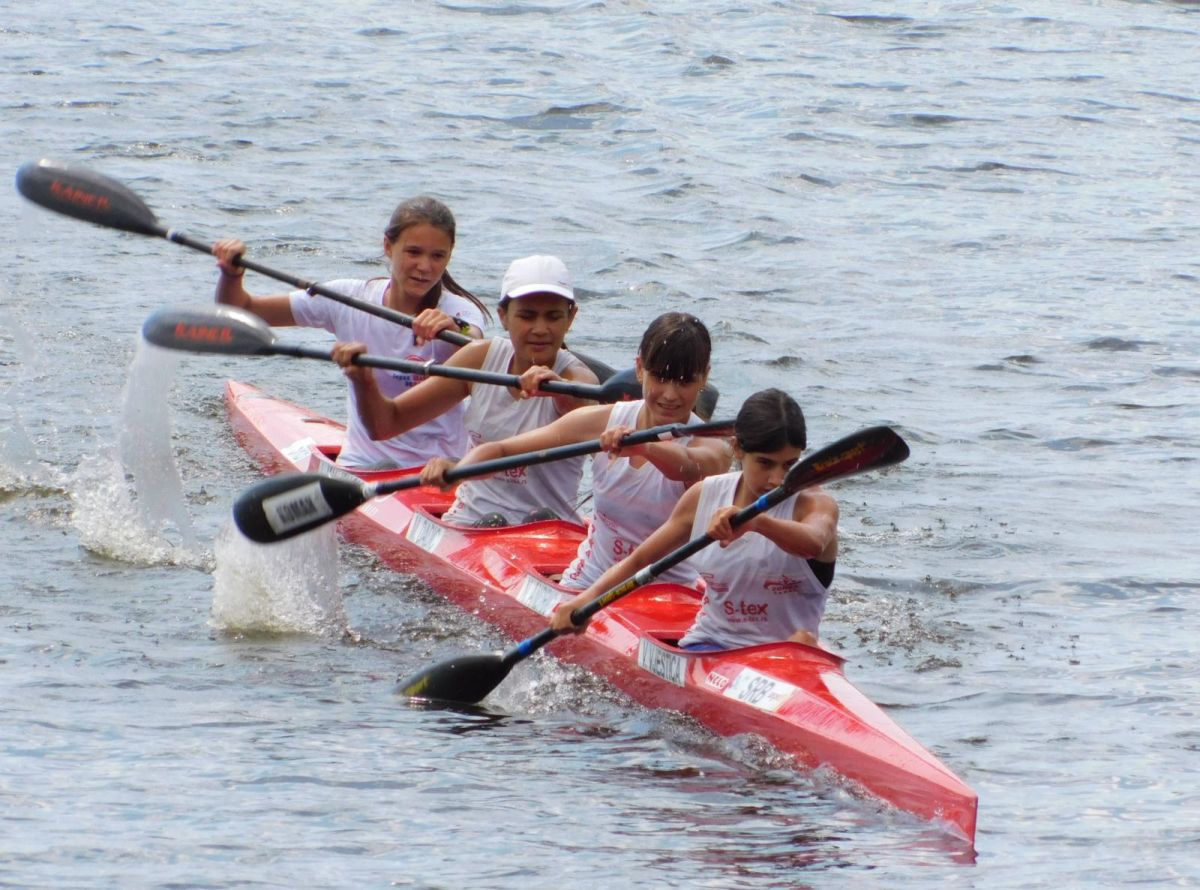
537,307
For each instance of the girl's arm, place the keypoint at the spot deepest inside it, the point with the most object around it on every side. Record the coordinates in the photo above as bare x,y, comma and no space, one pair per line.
575,426
275,310
532,379
428,323
811,533
384,418
672,534
686,463
578,426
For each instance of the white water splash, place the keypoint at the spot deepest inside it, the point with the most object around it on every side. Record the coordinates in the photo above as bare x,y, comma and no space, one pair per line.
287,587
128,498
144,442
110,521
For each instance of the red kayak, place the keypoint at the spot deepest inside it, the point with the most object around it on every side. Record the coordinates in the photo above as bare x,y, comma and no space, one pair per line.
793,695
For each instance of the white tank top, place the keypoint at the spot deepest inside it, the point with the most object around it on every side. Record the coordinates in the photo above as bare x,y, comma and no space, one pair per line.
493,414
757,592
630,503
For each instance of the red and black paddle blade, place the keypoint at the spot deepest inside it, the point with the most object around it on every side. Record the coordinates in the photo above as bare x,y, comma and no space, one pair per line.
76,191
225,330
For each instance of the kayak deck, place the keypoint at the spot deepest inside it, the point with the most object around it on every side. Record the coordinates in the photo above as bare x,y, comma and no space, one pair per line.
795,696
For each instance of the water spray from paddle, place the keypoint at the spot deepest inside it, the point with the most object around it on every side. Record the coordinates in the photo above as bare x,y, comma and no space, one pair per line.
127,497
292,588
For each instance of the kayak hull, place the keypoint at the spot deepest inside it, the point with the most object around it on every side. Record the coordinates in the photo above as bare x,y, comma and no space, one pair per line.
795,696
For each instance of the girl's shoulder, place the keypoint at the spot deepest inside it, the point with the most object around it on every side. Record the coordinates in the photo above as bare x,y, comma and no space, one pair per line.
462,308
313,310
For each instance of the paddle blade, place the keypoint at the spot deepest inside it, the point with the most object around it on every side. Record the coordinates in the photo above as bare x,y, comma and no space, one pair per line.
225,330
706,403
467,679
87,195
285,506
870,449
621,387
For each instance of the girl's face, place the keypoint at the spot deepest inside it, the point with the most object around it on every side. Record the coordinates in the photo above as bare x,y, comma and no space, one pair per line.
419,256
537,324
668,401
764,470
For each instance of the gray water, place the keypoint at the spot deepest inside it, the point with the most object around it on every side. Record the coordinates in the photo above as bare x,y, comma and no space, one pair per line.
973,221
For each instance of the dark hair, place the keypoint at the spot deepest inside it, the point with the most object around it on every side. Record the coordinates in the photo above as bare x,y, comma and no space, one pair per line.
768,421
676,346
431,211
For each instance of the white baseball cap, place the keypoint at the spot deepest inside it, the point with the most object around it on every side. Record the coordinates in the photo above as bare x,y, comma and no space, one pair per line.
537,275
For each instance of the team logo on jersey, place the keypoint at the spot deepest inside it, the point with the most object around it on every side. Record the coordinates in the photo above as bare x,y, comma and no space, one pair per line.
417,378
712,585
407,379
783,585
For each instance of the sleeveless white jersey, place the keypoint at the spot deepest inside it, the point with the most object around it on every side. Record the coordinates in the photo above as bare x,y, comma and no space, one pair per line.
756,592
630,503
444,436
494,415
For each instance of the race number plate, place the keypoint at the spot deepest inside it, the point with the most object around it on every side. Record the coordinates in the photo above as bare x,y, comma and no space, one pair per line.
759,690
424,532
333,471
539,596
300,451
662,663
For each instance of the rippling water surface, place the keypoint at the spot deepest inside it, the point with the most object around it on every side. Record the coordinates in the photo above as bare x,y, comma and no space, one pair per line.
976,222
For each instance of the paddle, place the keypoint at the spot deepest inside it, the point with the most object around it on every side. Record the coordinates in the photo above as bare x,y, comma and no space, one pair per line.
470,678
76,191
284,506
228,330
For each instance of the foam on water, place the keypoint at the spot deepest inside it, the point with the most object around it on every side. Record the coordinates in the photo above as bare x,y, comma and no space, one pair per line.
287,587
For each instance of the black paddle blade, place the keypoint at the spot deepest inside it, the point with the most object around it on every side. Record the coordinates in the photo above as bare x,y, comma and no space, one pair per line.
706,404
285,506
622,386
467,679
87,195
870,449
225,330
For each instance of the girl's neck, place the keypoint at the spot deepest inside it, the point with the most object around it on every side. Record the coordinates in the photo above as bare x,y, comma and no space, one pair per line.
395,298
519,364
741,495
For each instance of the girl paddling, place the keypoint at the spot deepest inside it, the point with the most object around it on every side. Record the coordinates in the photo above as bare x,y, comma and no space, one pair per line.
537,307
418,241
635,488
769,579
